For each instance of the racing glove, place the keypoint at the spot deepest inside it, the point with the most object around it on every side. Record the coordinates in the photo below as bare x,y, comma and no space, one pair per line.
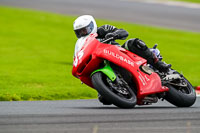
118,34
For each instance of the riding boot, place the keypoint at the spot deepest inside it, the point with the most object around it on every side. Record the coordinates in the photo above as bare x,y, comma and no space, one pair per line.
161,66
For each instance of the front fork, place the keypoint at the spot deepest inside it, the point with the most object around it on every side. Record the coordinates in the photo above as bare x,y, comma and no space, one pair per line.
107,70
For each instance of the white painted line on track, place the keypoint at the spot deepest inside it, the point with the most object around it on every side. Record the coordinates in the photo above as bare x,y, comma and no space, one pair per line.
169,3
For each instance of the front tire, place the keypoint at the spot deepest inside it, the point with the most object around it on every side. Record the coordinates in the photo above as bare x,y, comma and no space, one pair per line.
100,83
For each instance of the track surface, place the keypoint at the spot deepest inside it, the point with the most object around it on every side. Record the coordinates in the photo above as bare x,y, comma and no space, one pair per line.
135,11
89,116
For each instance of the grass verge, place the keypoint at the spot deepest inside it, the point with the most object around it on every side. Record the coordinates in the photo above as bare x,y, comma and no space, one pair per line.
192,1
36,51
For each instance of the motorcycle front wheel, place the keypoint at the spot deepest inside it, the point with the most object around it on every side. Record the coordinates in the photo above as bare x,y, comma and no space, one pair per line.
121,96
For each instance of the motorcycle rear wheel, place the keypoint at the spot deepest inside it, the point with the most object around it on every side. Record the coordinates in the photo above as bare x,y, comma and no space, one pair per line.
181,97
99,81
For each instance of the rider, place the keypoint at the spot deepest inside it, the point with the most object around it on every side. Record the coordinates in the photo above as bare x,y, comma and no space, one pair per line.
85,25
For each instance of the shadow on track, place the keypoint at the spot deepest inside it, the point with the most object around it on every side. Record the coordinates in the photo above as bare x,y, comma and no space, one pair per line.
161,107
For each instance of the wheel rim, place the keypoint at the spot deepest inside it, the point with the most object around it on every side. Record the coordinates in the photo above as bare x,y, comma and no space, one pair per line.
120,88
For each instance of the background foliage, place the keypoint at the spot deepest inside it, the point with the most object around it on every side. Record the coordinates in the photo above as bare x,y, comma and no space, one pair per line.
36,54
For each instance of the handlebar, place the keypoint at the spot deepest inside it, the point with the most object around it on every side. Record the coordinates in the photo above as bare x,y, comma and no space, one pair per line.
109,39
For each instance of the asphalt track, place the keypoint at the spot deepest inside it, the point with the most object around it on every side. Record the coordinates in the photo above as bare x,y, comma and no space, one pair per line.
148,12
89,116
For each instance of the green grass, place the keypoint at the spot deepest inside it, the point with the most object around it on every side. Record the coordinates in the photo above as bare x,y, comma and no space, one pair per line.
36,53
193,1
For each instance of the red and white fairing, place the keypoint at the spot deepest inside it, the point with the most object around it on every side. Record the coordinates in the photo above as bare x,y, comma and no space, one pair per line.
90,53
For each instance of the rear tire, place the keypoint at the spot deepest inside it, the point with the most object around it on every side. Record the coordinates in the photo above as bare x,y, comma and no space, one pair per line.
100,84
179,97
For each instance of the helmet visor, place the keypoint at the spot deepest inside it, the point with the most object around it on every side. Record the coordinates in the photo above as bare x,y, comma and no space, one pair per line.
85,30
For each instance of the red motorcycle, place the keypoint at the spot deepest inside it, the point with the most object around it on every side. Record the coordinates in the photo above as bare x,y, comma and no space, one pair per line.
124,78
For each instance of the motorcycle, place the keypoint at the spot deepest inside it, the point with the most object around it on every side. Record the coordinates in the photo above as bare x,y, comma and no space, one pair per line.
125,79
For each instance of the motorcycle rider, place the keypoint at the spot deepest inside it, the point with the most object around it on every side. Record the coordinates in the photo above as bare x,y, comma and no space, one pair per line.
86,25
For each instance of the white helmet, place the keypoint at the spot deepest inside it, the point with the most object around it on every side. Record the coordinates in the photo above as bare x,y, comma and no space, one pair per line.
84,25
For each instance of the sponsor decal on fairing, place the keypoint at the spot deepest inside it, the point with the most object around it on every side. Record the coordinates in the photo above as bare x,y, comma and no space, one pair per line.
119,57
